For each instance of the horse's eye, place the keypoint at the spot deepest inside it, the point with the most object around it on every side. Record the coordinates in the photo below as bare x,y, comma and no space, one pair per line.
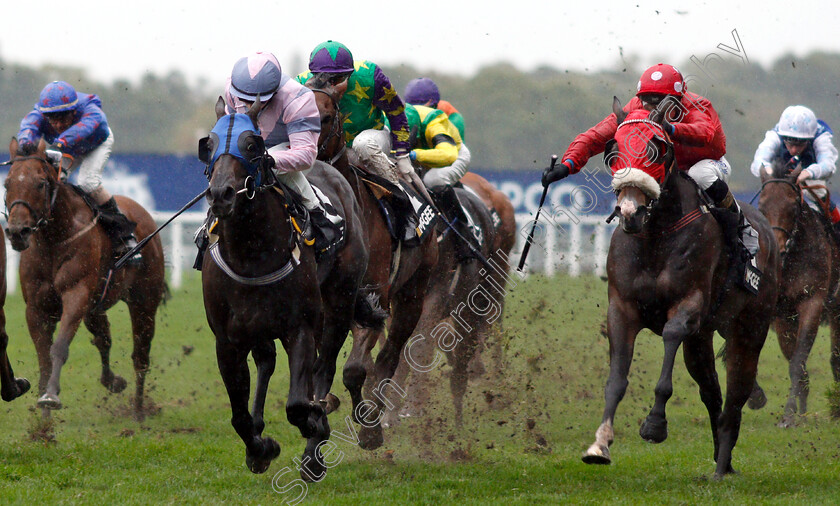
42,184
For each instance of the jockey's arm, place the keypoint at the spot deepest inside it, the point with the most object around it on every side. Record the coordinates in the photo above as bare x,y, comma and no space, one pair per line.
445,148
31,128
826,154
385,97
299,155
765,152
590,143
695,129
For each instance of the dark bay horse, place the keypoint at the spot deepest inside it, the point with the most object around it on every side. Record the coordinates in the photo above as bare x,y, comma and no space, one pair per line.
64,261
809,281
399,275
261,283
10,387
668,270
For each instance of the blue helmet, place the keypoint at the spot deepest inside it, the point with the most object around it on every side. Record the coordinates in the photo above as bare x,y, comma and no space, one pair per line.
257,74
58,96
420,91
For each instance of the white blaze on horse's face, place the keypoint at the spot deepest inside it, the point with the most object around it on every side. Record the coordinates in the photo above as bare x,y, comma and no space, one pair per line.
630,199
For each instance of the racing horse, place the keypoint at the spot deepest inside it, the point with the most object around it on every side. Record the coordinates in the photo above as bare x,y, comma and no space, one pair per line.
261,282
400,276
810,280
64,263
462,302
10,387
668,268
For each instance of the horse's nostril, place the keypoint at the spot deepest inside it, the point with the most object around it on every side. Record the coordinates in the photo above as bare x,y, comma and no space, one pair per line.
229,194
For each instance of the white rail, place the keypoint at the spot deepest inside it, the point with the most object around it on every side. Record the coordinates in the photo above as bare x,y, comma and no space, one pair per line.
578,246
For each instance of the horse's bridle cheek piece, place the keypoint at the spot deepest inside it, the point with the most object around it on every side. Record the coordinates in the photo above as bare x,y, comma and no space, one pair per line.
50,194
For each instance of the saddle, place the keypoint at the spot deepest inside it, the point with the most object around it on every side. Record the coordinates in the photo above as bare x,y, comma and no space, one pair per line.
407,216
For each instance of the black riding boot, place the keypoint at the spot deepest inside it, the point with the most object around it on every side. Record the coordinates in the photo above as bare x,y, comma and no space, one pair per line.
447,202
325,232
723,198
119,229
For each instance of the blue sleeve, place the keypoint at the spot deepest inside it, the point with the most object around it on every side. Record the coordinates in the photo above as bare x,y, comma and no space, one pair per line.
81,137
31,128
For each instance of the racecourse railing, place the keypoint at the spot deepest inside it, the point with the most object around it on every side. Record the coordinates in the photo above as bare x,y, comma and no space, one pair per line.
576,244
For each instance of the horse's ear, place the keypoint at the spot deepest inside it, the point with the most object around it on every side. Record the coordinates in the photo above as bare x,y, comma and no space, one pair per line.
42,148
795,174
220,108
254,111
13,146
620,115
762,174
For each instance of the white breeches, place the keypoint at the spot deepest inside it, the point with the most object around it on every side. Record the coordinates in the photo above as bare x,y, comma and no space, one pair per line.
705,172
448,176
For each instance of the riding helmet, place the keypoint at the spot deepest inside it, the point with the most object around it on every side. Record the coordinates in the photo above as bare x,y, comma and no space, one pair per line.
332,57
422,90
58,96
797,121
661,79
256,74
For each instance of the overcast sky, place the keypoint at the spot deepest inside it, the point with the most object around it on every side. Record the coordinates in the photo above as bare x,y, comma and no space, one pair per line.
203,39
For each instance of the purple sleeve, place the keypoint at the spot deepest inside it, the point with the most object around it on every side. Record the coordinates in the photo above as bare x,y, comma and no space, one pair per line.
385,97
31,128
84,129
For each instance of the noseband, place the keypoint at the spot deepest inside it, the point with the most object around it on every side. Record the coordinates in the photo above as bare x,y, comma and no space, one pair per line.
50,194
789,234
335,129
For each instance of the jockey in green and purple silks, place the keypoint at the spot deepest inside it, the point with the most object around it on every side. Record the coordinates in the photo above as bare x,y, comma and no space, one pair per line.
368,98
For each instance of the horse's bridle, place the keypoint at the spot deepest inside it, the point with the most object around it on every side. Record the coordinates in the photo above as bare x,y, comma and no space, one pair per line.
50,194
789,234
335,130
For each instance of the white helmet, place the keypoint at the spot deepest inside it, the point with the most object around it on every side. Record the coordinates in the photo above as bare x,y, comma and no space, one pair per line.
797,121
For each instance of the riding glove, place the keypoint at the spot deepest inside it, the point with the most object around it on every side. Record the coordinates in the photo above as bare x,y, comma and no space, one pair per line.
404,164
557,173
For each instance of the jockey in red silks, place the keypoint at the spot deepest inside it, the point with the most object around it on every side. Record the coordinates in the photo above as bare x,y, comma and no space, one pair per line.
694,127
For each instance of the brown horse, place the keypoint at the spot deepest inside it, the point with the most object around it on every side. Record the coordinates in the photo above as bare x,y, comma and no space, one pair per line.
63,266
400,276
442,294
10,387
810,281
261,283
462,302
669,271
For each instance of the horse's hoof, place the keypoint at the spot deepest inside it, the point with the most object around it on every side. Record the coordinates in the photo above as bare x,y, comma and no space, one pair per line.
49,401
597,454
371,438
787,422
259,465
331,403
757,399
314,469
23,386
654,431
118,385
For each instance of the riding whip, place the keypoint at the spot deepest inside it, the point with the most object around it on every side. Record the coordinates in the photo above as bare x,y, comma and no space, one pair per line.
527,247
119,263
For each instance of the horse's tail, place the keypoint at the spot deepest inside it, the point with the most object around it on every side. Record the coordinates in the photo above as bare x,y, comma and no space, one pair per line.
369,313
